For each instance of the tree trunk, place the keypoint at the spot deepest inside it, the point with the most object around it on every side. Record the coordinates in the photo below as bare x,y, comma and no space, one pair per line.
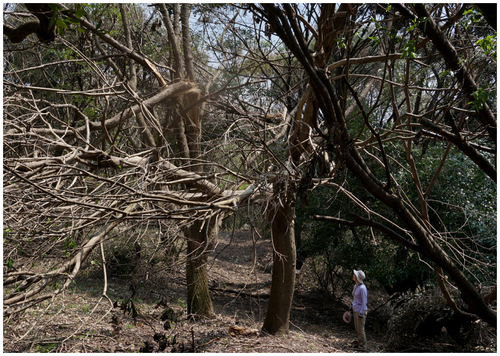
283,280
200,243
201,234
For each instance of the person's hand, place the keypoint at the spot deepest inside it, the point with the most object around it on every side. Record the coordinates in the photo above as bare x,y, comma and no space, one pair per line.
360,316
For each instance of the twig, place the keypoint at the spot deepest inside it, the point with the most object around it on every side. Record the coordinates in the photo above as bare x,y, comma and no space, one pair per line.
105,288
206,343
193,345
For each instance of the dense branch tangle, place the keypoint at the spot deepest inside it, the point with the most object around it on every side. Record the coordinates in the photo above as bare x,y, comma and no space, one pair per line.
68,195
354,88
82,162
362,149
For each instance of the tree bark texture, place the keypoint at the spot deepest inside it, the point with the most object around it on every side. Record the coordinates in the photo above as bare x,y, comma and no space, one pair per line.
284,260
200,242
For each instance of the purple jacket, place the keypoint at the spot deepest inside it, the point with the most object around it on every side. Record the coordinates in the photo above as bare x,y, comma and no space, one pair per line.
359,294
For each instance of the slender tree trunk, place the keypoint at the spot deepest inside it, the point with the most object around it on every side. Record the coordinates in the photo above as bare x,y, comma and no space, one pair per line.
192,119
180,135
143,127
200,243
283,280
174,40
200,236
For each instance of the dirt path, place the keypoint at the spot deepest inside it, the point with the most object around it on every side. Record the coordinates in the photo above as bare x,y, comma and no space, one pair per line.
315,326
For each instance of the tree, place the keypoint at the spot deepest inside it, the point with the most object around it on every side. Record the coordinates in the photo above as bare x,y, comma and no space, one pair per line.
82,145
118,122
334,127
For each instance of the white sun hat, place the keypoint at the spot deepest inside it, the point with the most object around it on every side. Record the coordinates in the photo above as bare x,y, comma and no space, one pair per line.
360,275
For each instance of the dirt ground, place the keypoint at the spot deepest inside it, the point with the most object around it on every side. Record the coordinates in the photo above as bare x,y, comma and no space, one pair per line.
240,280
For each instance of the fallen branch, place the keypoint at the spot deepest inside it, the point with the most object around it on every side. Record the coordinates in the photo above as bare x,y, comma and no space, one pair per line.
449,299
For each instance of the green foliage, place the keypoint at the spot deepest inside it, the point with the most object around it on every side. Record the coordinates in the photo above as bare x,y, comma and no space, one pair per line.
376,40
62,18
471,17
7,232
467,213
481,96
489,45
70,244
337,249
409,50
45,347
182,303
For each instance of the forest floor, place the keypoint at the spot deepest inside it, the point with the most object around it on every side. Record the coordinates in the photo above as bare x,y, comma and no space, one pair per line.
240,280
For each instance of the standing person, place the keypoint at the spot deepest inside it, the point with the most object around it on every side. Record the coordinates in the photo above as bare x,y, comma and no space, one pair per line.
358,306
